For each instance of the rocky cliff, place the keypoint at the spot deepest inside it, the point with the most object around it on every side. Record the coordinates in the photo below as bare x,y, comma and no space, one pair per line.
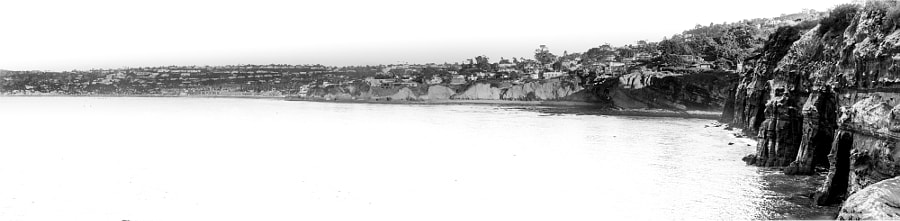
706,91
550,90
480,91
827,97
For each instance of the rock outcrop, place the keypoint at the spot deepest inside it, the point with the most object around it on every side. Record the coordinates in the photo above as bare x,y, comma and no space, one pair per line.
670,91
479,91
707,91
827,97
438,92
553,89
405,94
879,201
819,117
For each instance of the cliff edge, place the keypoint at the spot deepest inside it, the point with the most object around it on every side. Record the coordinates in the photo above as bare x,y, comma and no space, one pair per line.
827,97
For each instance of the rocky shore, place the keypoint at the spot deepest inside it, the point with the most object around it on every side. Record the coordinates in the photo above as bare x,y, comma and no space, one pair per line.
827,97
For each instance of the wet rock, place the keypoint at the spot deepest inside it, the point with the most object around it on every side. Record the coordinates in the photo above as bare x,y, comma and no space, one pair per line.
749,159
835,187
779,133
819,121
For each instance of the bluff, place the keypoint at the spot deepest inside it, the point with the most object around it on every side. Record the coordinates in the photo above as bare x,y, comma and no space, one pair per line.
826,97
704,91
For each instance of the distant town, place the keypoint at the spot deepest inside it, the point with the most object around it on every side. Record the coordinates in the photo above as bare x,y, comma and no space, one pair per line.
714,47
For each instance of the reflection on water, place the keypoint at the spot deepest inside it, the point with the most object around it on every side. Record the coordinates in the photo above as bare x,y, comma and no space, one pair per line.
238,159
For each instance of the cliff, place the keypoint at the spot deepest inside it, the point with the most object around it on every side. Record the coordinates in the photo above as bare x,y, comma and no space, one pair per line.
826,97
480,91
549,90
707,91
704,91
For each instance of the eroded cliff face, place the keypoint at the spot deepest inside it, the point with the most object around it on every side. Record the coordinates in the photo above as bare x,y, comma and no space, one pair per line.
826,98
480,91
438,92
553,89
706,91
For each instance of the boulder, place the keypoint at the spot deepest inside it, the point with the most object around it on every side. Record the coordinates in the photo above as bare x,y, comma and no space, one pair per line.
879,201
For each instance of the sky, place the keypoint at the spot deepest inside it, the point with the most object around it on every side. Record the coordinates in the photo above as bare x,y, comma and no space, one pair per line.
62,35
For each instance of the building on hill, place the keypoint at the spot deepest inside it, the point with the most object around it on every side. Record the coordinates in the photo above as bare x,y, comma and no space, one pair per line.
435,79
458,79
553,74
691,58
703,66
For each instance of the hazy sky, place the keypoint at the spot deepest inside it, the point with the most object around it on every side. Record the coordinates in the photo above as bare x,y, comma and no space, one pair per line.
66,34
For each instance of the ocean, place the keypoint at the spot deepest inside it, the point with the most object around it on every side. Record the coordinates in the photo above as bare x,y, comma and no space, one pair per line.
114,158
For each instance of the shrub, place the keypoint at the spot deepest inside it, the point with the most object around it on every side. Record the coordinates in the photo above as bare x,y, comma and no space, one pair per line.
780,42
890,9
838,19
806,24
879,4
892,16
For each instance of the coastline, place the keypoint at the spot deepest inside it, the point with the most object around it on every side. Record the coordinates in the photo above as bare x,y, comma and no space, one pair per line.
148,95
548,107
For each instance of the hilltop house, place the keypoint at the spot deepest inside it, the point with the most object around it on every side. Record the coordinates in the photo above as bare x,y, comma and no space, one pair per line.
458,79
703,65
553,74
435,79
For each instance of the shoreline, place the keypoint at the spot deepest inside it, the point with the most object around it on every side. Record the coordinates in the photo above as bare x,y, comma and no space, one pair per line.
548,107
152,96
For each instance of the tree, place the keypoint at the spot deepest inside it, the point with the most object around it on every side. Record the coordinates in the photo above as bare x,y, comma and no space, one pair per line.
736,43
624,53
570,57
597,54
544,56
675,46
483,63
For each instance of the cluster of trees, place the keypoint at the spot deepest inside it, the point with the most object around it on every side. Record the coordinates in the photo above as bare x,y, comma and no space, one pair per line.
725,44
545,60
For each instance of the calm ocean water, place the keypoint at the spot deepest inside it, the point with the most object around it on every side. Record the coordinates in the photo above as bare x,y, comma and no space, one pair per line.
254,159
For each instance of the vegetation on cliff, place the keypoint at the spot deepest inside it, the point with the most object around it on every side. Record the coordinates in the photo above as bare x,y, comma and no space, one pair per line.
827,97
